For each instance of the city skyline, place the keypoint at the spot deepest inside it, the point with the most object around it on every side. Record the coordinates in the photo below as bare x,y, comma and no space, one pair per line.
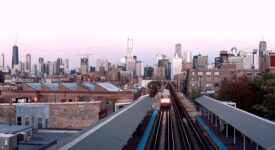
75,58
71,27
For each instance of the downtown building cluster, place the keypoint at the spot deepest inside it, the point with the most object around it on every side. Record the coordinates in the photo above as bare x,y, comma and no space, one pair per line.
205,77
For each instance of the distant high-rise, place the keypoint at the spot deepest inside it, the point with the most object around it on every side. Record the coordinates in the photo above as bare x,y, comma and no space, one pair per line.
15,59
176,66
2,61
34,70
187,57
40,65
51,68
200,61
262,47
139,69
58,65
28,62
160,57
66,65
167,65
103,62
84,65
178,50
129,54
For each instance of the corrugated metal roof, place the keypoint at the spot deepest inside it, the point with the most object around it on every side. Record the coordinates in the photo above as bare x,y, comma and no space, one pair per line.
112,132
71,86
36,86
260,130
53,86
109,87
89,86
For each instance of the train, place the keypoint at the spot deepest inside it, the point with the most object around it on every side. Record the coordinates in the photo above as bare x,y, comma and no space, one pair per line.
165,100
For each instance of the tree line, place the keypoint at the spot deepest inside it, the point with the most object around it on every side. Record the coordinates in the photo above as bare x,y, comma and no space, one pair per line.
256,96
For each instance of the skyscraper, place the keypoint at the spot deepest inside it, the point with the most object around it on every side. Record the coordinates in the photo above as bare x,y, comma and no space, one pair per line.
40,65
84,65
187,57
160,57
167,65
129,54
139,69
34,70
15,59
178,50
176,66
2,62
58,65
28,62
103,62
66,65
262,47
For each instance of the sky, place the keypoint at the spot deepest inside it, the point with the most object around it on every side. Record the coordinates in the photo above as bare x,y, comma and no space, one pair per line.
68,29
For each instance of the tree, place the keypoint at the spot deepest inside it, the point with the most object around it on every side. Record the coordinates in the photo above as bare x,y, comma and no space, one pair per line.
224,93
239,90
154,86
265,91
194,94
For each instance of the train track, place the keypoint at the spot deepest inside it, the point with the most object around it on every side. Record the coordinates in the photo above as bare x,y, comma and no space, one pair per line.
174,130
191,139
164,133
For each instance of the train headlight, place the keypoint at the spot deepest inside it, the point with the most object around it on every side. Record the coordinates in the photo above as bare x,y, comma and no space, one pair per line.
165,100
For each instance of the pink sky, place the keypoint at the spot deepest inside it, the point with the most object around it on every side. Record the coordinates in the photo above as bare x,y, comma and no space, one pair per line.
62,28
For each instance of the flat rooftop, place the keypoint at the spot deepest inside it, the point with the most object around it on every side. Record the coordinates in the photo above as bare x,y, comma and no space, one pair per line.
12,129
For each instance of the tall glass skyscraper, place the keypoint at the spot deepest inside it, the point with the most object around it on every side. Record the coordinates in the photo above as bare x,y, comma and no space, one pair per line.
15,58
178,50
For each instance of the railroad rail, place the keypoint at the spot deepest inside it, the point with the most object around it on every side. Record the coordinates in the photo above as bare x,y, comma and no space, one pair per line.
174,130
192,139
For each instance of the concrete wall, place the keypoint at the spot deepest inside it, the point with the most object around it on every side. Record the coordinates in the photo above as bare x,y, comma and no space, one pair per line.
33,111
7,113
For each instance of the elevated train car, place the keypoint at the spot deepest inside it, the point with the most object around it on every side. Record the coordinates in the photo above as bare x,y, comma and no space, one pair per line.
165,99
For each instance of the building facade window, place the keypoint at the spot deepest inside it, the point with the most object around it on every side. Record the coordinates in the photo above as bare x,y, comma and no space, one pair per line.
27,121
248,73
208,85
39,122
19,121
208,73
200,73
193,73
216,73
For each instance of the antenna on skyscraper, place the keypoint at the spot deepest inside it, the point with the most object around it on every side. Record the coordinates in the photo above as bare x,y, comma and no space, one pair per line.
15,40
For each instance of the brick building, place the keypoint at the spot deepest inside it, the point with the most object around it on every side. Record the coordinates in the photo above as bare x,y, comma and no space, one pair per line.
209,79
73,115
65,92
